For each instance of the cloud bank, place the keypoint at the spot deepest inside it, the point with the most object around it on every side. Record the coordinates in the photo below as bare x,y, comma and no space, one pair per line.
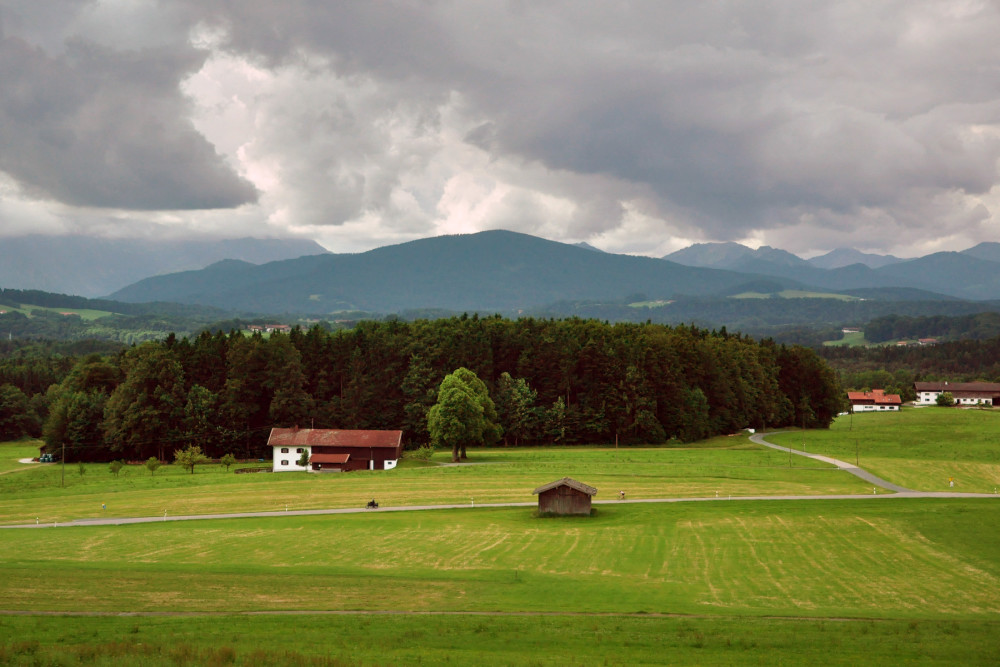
635,126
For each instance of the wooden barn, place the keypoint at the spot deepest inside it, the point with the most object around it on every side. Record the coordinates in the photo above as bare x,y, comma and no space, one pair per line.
332,450
565,496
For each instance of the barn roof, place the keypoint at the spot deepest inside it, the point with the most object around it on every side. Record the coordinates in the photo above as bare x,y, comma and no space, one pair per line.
329,458
876,396
326,437
991,387
567,481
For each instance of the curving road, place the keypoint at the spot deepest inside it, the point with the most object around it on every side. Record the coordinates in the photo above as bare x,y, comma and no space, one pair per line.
849,467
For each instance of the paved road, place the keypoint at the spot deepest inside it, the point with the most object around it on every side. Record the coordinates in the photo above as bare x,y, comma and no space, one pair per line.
849,467
899,492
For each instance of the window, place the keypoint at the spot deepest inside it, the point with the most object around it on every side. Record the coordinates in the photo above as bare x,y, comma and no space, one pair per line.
284,450
284,463
298,450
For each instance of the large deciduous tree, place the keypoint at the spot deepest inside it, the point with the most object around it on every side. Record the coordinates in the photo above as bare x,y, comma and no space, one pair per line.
464,414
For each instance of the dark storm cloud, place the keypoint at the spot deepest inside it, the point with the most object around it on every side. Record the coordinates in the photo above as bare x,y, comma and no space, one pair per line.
742,114
93,126
714,120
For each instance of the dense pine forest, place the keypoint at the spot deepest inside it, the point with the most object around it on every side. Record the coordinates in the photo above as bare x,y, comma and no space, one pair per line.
565,381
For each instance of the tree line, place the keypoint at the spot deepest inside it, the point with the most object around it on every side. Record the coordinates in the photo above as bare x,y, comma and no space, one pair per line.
565,381
977,326
895,369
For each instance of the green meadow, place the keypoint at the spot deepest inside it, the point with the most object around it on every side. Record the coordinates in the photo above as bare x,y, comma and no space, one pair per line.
853,339
728,582
84,313
870,580
923,449
795,294
727,466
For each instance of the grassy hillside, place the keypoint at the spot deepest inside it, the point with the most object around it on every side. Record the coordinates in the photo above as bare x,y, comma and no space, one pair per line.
919,448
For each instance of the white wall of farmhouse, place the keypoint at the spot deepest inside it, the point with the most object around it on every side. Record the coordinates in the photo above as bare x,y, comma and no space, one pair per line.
930,398
287,458
874,408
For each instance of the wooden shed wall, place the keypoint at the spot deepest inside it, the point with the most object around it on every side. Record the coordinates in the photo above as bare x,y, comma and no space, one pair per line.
564,500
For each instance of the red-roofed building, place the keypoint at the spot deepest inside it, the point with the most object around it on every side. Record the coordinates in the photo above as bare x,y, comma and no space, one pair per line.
875,400
334,450
964,393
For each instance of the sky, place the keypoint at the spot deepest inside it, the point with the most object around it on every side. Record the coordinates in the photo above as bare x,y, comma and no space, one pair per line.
637,127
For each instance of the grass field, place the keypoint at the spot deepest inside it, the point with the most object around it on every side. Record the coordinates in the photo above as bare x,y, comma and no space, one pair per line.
492,640
84,313
919,448
852,339
727,466
12,452
907,564
874,581
795,294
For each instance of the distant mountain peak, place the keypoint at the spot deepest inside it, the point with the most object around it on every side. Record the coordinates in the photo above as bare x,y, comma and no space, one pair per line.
841,257
732,256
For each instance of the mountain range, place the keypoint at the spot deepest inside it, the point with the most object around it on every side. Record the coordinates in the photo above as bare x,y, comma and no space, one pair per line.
90,266
735,257
503,271
970,274
494,271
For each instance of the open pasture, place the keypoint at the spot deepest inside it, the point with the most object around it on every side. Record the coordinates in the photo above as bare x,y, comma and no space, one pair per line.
871,558
724,466
85,314
873,581
918,448
12,452
333,640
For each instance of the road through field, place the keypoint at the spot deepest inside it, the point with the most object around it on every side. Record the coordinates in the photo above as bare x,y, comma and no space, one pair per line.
848,467
758,438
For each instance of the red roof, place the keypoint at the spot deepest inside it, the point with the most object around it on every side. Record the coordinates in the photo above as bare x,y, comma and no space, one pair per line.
325,437
329,458
876,396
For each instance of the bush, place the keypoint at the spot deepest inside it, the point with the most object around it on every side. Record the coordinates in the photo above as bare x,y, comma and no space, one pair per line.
422,454
945,399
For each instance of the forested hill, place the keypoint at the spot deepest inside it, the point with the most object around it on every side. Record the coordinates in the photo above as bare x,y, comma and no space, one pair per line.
496,271
91,266
584,382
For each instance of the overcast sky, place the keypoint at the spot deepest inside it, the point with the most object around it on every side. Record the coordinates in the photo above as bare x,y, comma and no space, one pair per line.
638,127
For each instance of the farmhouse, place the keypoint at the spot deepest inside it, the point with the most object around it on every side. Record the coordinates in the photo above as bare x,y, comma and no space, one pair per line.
964,393
269,328
564,496
333,450
873,401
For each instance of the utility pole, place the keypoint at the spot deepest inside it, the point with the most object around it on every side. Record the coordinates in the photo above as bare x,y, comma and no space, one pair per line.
63,483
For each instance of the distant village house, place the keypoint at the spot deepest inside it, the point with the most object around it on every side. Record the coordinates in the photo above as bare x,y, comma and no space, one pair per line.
268,328
873,401
333,450
964,393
